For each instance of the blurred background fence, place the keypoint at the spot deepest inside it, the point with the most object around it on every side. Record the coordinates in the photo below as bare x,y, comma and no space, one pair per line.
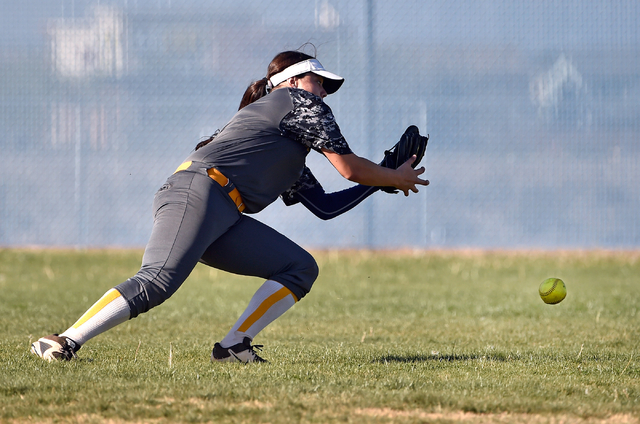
533,108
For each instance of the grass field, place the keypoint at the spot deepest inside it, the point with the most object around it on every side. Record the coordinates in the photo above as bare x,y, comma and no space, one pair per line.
383,337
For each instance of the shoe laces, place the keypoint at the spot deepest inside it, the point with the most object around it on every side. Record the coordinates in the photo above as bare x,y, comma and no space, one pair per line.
69,348
73,351
251,348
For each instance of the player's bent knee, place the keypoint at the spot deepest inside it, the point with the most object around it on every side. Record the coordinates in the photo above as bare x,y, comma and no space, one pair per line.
311,272
142,296
301,276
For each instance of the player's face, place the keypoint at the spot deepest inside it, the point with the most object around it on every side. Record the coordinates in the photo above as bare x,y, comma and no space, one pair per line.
312,83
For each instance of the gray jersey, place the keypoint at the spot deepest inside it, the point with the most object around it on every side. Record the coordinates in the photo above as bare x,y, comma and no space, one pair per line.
262,150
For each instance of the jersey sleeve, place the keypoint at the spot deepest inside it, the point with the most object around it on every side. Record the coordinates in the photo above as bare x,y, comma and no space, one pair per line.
311,122
306,181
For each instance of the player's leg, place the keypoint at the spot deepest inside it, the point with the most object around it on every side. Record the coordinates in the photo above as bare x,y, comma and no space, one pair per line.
109,311
189,216
252,248
188,219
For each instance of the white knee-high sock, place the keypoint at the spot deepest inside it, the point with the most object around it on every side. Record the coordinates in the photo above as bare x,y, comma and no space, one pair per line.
269,302
112,309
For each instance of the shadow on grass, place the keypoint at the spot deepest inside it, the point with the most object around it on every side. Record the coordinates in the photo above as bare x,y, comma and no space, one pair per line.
439,358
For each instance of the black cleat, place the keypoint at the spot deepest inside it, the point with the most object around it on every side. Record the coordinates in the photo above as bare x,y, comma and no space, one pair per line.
242,352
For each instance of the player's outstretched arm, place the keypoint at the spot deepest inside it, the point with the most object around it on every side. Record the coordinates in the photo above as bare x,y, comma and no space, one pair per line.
363,171
329,205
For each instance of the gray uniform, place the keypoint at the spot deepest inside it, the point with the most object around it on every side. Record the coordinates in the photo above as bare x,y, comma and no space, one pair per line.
262,152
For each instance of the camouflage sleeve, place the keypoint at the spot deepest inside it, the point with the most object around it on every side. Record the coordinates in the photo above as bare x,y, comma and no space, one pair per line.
306,181
311,122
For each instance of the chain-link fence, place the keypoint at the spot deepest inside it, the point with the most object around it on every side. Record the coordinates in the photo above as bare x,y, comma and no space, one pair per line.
533,109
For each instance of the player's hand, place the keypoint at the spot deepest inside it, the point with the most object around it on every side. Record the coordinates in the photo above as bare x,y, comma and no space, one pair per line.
409,178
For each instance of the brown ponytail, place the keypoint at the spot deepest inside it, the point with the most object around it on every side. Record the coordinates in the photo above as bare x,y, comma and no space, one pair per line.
207,140
258,88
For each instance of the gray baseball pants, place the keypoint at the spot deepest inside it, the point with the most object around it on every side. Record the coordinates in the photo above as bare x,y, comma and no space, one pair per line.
196,220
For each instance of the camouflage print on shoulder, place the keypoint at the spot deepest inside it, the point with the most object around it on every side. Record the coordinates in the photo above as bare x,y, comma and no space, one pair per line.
312,123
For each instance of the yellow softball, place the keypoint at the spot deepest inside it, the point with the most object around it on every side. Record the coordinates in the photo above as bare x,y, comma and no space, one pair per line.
552,291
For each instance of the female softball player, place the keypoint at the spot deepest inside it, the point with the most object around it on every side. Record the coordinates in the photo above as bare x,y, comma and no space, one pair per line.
201,213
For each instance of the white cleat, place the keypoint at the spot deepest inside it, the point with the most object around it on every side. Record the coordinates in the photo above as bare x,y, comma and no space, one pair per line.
55,348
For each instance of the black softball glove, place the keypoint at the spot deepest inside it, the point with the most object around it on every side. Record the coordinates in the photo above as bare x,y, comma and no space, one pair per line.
411,143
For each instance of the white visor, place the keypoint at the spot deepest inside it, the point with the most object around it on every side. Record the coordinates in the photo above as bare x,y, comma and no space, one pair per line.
331,83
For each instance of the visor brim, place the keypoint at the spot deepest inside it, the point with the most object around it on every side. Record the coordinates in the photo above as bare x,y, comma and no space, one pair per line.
331,82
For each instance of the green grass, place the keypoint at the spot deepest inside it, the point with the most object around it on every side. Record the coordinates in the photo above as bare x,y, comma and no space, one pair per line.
383,337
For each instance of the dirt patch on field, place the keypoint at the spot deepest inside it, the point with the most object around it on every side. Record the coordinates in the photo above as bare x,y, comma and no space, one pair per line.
476,252
385,415
468,417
